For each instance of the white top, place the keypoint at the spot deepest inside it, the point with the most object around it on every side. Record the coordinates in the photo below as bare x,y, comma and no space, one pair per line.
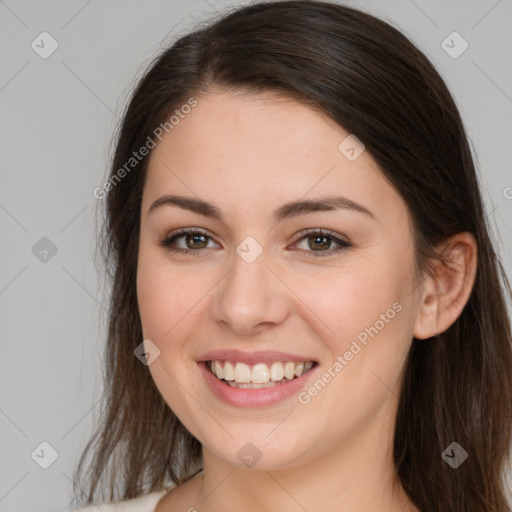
146,503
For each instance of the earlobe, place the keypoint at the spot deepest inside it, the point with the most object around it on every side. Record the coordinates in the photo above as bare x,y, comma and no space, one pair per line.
447,291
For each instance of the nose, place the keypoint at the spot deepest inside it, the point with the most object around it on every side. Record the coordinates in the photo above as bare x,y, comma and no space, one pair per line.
251,298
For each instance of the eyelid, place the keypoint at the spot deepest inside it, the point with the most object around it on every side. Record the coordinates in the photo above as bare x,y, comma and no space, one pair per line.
183,231
322,231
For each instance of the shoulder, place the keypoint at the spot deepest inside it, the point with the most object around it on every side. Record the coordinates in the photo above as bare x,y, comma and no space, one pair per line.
145,503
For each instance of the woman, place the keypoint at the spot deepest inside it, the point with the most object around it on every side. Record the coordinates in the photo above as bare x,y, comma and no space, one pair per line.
307,310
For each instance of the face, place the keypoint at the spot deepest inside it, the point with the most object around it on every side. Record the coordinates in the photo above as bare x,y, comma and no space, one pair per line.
293,281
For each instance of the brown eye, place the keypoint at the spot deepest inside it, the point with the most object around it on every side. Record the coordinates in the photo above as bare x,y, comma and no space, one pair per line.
319,242
197,241
188,241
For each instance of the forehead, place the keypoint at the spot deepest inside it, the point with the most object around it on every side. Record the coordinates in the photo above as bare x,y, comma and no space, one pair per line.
262,149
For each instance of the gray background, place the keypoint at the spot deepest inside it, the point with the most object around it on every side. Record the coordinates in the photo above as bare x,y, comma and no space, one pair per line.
58,116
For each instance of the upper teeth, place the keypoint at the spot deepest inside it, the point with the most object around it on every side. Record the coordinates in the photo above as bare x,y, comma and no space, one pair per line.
259,373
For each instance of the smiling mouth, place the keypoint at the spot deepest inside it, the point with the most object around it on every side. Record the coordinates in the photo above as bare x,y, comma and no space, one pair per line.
257,376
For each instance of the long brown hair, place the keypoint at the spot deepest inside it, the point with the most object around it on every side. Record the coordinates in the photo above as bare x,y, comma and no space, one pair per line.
371,80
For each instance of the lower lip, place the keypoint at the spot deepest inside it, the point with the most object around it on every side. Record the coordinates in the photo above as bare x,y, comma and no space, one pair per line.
242,397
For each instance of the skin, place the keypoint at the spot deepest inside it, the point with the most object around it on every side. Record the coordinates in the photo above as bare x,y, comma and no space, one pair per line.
248,155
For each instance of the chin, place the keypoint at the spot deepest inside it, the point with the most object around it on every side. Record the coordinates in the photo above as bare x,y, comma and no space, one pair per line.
254,449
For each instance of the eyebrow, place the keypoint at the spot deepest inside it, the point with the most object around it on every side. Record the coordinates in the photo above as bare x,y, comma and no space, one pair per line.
288,210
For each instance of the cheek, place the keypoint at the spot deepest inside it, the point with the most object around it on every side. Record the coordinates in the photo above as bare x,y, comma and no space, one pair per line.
362,314
168,300
167,295
348,300
380,336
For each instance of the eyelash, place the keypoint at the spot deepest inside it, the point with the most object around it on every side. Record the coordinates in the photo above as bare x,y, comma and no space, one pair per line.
342,244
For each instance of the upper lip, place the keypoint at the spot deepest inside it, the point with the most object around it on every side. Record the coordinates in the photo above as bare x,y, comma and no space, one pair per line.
262,356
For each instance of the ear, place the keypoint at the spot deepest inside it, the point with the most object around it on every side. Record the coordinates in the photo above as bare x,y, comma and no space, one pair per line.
447,291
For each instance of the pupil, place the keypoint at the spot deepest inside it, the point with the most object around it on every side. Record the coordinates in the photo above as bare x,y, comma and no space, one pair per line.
197,241
321,242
